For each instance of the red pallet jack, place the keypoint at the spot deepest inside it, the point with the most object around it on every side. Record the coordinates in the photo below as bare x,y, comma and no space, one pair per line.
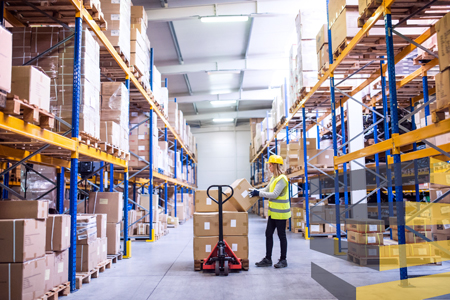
221,259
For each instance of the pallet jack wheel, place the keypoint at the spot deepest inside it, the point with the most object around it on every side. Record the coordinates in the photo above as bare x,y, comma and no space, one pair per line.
217,268
225,268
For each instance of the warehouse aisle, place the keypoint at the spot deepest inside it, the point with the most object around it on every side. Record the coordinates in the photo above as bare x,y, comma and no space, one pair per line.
164,270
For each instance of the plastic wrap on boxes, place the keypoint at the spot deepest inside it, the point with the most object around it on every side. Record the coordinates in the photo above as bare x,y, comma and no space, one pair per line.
115,103
118,16
110,133
89,118
34,186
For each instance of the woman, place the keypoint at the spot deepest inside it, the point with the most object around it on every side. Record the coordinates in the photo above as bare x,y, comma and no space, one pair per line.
277,191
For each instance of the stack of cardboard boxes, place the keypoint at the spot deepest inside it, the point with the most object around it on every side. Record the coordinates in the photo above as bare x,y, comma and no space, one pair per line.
6,63
323,60
34,256
443,78
235,220
343,20
295,154
140,44
185,207
293,77
364,236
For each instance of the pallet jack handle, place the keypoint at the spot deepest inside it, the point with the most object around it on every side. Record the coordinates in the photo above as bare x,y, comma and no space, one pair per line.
220,202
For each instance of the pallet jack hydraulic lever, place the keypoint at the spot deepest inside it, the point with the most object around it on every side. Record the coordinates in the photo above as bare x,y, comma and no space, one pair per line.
222,258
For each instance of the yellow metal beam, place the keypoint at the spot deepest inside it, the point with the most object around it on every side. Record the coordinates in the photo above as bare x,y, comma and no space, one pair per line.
31,131
420,97
101,156
428,152
18,154
11,19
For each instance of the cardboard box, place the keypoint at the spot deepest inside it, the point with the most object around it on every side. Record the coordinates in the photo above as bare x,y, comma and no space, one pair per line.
235,223
206,224
22,280
145,203
101,225
86,257
107,203
336,7
442,88
241,198
31,84
315,228
411,238
113,235
362,250
364,225
61,268
205,204
311,144
103,244
204,245
297,213
58,233
24,209
49,271
322,37
418,224
345,26
443,38
440,229
86,229
365,238
5,60
21,240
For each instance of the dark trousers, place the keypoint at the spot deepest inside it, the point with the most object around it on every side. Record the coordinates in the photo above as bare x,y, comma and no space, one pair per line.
280,225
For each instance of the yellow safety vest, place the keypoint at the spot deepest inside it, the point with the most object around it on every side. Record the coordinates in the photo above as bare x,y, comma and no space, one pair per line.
280,208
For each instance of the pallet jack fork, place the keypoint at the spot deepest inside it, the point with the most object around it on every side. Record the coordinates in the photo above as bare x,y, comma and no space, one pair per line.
222,259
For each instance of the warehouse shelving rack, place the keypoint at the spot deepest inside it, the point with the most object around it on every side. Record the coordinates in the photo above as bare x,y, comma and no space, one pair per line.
391,145
63,152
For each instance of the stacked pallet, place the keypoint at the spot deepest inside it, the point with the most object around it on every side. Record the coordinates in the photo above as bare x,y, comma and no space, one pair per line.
295,155
140,45
323,60
442,78
364,236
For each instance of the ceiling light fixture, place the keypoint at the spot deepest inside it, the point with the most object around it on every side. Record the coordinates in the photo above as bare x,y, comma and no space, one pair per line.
223,102
222,72
223,120
224,19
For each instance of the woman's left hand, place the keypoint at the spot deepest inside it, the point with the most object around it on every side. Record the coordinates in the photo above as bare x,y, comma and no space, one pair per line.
254,193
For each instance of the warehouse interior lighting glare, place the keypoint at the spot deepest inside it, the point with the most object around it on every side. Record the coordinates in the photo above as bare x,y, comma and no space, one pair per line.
224,120
223,103
224,19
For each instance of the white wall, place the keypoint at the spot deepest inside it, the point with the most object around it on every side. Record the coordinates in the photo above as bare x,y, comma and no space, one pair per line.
223,155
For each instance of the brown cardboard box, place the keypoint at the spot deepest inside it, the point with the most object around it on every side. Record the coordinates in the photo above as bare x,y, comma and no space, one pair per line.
22,281
411,238
442,88
206,224
418,224
442,30
49,271
86,257
204,245
21,240
364,226
101,225
107,203
362,250
315,228
145,203
86,229
322,37
296,224
58,232
297,213
103,242
204,204
61,267
440,229
5,59
336,7
311,143
235,223
346,25
23,209
31,84
241,198
365,238
113,235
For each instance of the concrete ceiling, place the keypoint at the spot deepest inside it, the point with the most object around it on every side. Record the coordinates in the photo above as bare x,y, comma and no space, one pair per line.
252,55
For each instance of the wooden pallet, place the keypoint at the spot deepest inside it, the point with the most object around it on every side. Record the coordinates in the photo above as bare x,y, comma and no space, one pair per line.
368,12
85,277
323,70
89,140
366,261
341,47
115,257
438,115
113,150
29,113
56,292
198,264
95,11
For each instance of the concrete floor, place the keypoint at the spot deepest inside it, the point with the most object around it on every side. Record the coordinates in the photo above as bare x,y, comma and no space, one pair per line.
164,270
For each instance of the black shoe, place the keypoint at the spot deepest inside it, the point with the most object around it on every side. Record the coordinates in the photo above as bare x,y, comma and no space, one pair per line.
265,262
282,263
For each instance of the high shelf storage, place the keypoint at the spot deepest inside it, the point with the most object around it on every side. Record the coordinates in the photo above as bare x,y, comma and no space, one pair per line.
65,150
371,56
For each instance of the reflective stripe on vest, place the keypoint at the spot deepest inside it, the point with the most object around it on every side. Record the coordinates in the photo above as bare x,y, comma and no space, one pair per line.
279,208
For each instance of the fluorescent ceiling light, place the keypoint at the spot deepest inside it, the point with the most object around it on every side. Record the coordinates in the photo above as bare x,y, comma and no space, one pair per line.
222,72
224,19
223,102
224,120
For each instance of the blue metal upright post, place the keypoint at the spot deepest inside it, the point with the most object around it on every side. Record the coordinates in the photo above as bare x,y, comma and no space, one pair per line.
150,176
318,130
182,192
425,96
5,193
111,178
262,167
134,193
335,147
187,168
344,165
74,159
165,197
276,146
182,161
102,179
151,68
396,151
60,185
305,168
416,167
377,161
126,241
175,176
